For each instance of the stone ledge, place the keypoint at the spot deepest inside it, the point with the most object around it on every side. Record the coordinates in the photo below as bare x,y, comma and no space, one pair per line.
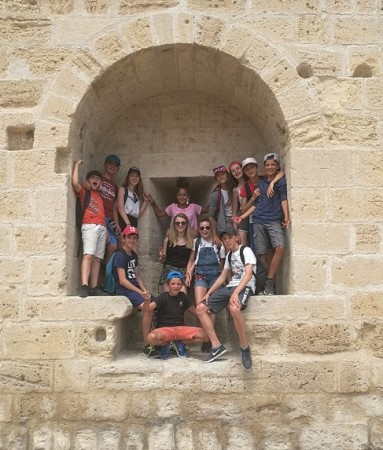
108,308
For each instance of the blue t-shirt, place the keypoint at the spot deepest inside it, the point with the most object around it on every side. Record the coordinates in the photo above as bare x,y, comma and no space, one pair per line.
269,209
123,260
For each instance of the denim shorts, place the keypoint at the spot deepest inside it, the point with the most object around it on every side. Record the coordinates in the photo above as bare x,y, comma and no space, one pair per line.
93,239
268,235
205,278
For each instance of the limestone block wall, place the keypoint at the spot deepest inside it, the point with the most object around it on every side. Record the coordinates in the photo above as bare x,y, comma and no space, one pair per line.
175,87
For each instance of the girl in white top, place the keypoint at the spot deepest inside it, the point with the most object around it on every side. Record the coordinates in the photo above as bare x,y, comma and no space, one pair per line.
131,199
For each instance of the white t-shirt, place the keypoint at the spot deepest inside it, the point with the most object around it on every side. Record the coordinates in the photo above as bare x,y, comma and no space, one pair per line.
228,208
238,268
132,204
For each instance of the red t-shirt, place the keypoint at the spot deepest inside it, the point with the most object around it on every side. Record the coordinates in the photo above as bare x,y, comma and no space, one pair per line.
108,191
242,192
95,212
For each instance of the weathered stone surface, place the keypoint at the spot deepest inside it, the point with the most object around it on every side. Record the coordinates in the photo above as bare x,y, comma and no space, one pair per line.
337,436
223,6
276,28
355,376
61,6
371,335
364,61
97,6
25,31
20,94
42,61
311,274
46,275
38,240
138,34
10,298
352,204
319,338
278,6
368,238
313,29
98,340
368,304
25,377
73,308
12,271
129,7
340,95
347,273
38,341
352,30
322,238
71,375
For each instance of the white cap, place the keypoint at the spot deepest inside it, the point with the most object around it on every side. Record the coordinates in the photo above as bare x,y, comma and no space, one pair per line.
247,161
274,156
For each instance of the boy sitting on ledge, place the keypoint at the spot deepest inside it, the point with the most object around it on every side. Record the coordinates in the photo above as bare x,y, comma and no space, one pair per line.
171,307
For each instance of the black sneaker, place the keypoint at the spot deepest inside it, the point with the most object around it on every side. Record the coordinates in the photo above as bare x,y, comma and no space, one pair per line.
269,287
150,351
246,358
206,347
97,291
215,353
84,291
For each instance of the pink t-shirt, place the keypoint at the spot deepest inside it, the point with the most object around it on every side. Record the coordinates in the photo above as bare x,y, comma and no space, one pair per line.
191,212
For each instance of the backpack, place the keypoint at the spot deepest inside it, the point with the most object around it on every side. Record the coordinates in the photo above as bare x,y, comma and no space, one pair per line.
80,211
260,272
81,208
110,281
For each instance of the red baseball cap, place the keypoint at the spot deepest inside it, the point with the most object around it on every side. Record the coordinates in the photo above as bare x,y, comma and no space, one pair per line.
130,230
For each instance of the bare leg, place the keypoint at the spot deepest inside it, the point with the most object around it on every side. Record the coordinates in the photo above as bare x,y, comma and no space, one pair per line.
239,324
243,237
199,293
146,324
86,264
275,261
207,323
94,272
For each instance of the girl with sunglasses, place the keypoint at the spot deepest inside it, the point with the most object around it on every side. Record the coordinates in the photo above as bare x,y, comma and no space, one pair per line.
191,210
206,260
175,252
131,199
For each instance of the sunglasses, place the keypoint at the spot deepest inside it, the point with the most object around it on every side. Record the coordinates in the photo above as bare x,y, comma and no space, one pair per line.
180,223
204,228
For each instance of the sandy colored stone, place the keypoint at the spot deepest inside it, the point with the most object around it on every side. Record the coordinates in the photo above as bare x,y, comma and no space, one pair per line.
46,276
24,377
308,204
352,30
364,61
39,240
12,270
10,298
39,342
293,111
313,29
69,84
110,47
223,6
76,31
259,55
355,376
278,6
61,6
309,131
276,28
97,6
314,238
209,31
14,205
31,167
340,7
42,61
184,27
25,31
105,406
130,7
367,305
58,108
339,95
368,238
338,436
163,28
351,204
319,338
71,375
373,90
86,64
98,340
322,63
138,34
21,93
311,274
350,273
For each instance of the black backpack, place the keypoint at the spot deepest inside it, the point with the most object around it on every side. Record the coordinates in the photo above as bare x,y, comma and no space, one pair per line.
260,272
80,211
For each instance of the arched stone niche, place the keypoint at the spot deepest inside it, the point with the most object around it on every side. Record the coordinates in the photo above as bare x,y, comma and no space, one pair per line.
173,110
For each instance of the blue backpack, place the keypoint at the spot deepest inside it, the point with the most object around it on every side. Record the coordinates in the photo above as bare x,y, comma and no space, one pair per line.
110,281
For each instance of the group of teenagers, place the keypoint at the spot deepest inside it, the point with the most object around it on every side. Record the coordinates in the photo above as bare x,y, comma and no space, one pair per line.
210,248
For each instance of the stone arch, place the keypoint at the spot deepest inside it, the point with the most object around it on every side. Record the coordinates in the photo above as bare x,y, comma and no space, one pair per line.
169,54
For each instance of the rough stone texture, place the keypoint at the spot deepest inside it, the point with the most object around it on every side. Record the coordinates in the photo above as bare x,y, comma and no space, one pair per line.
176,88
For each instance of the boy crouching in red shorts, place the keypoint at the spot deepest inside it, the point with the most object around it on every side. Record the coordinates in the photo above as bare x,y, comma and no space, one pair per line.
171,307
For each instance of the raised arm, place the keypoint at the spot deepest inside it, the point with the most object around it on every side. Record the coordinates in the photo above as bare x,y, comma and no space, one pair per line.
157,211
75,176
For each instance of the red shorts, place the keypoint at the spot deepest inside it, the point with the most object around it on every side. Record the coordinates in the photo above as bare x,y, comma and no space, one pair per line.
180,333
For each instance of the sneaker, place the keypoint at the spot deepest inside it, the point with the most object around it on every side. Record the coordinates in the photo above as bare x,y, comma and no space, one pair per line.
165,350
150,351
206,347
180,349
84,290
215,353
97,291
269,287
246,358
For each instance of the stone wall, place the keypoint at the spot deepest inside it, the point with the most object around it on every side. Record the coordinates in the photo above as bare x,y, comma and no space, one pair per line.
178,87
